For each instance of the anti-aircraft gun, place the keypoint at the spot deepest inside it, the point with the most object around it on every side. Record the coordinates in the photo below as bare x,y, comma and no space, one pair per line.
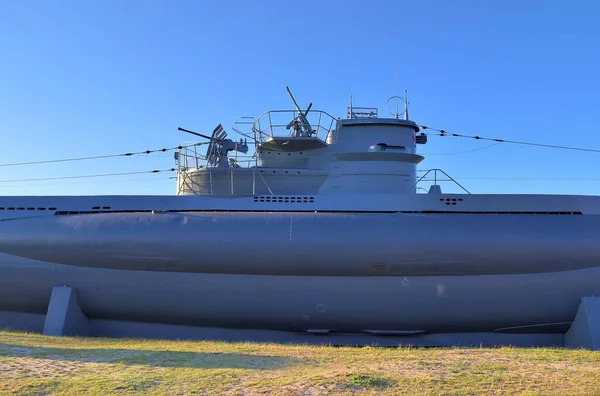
219,147
300,124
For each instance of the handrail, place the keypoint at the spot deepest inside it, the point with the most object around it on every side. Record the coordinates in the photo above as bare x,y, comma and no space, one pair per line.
261,128
190,186
267,124
253,180
363,112
435,179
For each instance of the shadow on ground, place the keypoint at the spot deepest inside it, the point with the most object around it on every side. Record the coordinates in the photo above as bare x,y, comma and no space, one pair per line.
150,358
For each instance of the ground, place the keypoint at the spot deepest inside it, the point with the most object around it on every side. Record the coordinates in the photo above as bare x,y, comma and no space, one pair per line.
36,364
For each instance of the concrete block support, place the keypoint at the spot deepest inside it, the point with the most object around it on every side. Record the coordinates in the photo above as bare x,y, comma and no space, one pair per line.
64,317
585,329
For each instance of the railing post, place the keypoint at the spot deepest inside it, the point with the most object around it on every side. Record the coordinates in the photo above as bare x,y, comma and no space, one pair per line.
319,125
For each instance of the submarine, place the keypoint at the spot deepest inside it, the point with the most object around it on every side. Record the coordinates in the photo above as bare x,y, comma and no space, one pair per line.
325,230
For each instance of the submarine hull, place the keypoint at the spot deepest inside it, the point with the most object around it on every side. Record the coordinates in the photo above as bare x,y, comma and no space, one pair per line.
294,272
292,303
310,244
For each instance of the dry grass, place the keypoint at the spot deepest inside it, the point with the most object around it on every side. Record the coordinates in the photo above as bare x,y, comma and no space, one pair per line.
36,364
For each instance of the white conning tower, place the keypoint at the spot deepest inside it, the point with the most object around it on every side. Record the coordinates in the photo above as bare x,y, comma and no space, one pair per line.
373,155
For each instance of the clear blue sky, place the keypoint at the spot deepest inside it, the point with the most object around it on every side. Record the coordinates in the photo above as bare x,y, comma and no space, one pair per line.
82,78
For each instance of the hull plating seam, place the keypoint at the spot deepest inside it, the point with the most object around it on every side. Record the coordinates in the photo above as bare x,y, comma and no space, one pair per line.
59,213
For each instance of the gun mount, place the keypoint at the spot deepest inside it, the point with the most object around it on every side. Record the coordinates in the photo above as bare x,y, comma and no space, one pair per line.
219,147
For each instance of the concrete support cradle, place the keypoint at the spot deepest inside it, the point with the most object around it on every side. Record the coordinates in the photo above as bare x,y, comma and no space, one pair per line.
585,329
64,317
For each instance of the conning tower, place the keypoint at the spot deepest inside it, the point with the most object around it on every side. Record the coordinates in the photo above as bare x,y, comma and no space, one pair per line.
300,152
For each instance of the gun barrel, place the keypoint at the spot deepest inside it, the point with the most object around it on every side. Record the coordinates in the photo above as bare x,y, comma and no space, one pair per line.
195,133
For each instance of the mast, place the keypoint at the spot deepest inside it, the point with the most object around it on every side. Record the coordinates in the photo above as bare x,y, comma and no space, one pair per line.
406,104
350,106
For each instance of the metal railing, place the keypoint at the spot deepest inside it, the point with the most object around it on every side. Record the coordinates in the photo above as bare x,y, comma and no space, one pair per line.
436,179
355,113
187,184
252,181
190,158
276,123
243,127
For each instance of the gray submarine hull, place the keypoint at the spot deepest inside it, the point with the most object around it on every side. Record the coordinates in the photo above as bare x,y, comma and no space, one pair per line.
300,271
310,244
430,304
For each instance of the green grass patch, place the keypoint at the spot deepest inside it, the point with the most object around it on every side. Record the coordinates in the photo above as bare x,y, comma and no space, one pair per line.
369,381
36,364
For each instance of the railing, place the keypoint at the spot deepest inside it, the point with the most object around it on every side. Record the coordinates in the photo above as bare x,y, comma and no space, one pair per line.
436,179
277,123
243,126
189,158
187,185
362,112
252,181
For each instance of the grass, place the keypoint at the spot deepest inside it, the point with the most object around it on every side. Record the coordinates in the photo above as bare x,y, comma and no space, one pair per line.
36,364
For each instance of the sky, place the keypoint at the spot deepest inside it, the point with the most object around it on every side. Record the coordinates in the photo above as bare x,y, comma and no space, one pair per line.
106,77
